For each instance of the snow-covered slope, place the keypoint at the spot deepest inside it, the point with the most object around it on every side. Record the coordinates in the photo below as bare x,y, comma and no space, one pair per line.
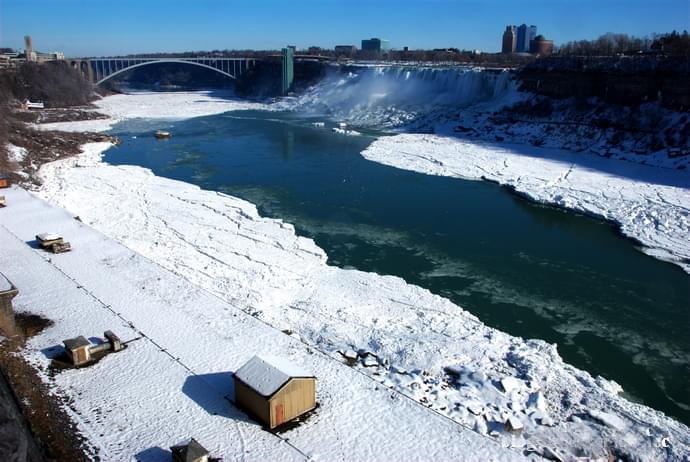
400,335
650,204
175,379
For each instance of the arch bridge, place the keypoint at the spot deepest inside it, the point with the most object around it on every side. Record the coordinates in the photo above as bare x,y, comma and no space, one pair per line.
98,70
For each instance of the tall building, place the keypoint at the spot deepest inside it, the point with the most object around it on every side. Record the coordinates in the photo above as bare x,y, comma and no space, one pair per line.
530,35
509,40
376,44
525,35
521,34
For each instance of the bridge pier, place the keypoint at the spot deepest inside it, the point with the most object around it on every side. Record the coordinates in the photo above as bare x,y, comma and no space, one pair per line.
288,69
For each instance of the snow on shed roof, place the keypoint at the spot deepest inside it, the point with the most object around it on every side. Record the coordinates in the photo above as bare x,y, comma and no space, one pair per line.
267,374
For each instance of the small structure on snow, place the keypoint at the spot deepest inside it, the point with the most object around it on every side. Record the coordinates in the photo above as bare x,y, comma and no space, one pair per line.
189,451
80,351
274,390
4,181
3,203
53,242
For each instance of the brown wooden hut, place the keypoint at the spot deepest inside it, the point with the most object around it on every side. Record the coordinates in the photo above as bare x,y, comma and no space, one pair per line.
274,390
4,181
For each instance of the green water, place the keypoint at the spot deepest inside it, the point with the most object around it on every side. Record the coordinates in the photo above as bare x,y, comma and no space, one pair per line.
529,270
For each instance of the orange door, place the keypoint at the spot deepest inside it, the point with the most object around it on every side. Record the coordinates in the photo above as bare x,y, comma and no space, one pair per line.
280,414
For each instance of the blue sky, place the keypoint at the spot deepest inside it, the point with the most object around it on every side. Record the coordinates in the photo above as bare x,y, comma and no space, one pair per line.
100,27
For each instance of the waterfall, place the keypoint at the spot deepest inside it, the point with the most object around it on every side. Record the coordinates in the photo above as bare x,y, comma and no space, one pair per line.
392,96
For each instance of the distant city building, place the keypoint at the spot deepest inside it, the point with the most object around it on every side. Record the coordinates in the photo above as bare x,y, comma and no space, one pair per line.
509,40
541,46
518,39
530,35
376,45
525,34
345,50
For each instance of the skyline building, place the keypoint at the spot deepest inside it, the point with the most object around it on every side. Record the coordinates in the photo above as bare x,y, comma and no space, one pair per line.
376,44
509,40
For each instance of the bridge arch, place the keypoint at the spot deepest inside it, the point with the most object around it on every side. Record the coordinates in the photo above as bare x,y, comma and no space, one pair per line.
158,61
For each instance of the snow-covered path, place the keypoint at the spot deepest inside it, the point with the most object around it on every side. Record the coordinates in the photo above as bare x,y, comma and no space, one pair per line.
650,204
174,382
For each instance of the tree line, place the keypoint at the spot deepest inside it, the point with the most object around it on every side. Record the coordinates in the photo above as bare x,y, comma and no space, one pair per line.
672,44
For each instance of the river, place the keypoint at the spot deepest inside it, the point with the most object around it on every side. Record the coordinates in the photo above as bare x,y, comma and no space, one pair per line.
529,270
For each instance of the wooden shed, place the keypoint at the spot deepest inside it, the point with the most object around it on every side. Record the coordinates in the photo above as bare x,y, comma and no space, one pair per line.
274,390
4,181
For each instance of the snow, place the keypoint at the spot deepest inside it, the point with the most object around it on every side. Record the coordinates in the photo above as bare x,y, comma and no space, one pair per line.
174,379
15,153
48,236
649,204
266,374
406,336
156,105
5,284
264,275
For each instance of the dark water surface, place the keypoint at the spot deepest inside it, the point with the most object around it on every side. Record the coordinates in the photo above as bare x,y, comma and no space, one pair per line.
529,270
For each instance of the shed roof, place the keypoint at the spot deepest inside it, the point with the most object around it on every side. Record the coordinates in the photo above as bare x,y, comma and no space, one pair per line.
189,450
48,237
267,374
77,342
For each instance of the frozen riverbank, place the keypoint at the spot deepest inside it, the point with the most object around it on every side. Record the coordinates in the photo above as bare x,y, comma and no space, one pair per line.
403,336
156,105
650,204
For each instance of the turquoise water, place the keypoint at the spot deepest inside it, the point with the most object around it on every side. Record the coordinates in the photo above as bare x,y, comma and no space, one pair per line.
529,270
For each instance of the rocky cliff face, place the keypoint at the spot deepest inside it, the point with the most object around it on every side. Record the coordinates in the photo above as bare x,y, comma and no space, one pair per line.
622,80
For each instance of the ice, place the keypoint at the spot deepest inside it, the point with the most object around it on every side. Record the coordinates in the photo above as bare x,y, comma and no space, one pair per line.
221,244
649,204
15,153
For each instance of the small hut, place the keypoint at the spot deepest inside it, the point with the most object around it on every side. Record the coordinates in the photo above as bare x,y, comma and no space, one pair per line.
4,181
274,390
189,451
78,350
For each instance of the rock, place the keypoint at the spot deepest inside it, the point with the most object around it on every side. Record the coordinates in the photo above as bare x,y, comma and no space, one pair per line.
514,424
547,421
515,406
610,420
537,401
551,454
350,354
475,408
510,383
370,361
480,425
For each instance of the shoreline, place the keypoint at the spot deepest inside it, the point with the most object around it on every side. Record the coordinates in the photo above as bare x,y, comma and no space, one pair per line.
648,205
90,165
